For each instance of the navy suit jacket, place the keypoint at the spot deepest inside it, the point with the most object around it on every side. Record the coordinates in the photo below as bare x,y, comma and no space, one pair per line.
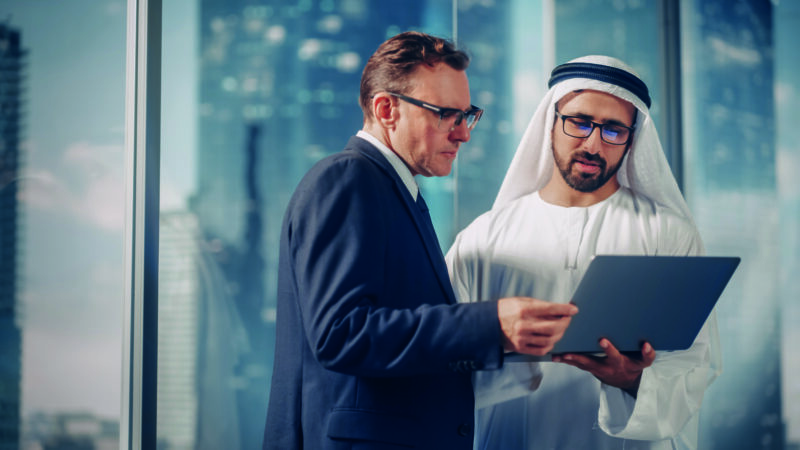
372,351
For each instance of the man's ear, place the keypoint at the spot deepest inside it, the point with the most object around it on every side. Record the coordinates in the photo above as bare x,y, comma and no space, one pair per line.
384,109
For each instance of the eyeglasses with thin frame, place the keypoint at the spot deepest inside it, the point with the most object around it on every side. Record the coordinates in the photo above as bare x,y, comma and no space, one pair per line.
449,118
580,127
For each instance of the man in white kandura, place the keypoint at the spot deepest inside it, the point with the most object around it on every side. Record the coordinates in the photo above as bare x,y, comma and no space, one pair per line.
589,177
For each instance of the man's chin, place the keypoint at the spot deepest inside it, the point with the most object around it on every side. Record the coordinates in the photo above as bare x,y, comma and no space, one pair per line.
442,170
584,184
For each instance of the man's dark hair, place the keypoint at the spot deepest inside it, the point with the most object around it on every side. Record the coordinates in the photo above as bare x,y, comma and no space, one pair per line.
390,67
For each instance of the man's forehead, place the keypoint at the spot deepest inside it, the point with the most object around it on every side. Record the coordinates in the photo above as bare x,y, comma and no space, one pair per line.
587,101
441,83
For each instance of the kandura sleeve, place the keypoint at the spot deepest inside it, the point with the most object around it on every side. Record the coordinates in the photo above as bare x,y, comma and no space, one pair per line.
671,390
464,264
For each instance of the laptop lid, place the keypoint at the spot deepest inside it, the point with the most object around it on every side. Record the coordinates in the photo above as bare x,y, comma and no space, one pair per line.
630,299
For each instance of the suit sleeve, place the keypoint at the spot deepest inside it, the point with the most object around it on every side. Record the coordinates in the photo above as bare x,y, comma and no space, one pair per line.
342,243
671,390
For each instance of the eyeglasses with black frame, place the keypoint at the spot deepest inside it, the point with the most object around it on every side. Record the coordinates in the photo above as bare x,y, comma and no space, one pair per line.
580,127
449,118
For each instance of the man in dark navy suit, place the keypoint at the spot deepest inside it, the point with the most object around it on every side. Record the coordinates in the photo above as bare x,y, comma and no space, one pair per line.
372,350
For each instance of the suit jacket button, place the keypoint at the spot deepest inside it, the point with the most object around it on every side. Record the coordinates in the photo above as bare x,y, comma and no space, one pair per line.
464,429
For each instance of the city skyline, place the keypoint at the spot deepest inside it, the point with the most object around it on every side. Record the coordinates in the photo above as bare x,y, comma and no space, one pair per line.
71,195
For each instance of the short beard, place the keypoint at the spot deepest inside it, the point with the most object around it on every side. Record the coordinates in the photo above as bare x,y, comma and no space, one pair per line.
585,182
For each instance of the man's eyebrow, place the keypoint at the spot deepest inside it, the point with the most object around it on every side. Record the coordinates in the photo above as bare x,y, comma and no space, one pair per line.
592,118
617,122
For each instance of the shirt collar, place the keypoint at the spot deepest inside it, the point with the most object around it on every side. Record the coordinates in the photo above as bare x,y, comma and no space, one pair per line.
399,166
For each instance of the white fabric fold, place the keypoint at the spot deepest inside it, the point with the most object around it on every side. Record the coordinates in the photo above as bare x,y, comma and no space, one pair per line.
645,169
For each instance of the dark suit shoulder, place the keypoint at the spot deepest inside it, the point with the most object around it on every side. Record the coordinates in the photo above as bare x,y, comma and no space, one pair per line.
357,155
357,166
344,161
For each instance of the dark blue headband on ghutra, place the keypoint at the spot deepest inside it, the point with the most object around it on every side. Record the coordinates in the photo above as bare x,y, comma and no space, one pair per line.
607,74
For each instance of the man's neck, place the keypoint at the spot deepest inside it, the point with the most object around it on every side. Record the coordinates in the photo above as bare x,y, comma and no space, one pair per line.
394,159
378,132
558,192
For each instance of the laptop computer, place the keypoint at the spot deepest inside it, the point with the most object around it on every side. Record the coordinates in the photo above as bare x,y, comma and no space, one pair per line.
630,299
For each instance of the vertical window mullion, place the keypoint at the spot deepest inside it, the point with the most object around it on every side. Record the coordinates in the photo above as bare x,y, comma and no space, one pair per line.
142,158
671,67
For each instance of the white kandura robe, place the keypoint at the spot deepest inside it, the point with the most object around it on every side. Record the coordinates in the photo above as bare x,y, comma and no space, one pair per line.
531,248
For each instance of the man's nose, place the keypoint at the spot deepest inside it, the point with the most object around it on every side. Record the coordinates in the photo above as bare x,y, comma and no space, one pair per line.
460,132
594,142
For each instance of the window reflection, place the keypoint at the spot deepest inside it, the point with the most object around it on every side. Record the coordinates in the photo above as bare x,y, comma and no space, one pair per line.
277,88
787,98
256,92
261,92
62,71
730,185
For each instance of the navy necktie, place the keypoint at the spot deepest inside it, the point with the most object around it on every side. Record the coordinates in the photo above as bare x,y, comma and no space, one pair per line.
426,216
421,203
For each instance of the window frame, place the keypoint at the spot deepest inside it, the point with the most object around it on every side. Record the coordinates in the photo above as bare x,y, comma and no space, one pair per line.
142,172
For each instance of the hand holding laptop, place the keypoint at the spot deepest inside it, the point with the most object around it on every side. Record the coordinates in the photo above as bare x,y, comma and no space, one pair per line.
633,299
532,326
613,368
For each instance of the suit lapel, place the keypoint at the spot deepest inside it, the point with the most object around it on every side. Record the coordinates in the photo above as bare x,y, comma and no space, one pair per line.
424,227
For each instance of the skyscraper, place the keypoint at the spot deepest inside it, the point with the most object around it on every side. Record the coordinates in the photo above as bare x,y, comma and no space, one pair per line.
11,64
279,85
178,286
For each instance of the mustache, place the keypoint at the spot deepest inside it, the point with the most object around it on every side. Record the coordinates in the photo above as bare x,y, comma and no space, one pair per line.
589,157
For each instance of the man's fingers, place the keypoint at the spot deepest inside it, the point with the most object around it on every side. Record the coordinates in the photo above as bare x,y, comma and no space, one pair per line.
609,349
535,344
555,310
648,355
615,368
545,327
531,325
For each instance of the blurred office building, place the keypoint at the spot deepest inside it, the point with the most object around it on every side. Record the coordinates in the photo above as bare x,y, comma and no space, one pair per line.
11,88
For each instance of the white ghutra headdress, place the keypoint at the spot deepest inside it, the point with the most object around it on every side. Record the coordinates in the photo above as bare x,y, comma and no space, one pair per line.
645,169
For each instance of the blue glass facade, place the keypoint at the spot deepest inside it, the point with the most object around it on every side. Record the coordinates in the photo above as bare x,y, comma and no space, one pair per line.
730,183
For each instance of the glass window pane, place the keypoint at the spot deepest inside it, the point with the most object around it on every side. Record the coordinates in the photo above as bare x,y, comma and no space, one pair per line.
730,182
738,180
629,31
62,85
510,48
253,94
787,97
